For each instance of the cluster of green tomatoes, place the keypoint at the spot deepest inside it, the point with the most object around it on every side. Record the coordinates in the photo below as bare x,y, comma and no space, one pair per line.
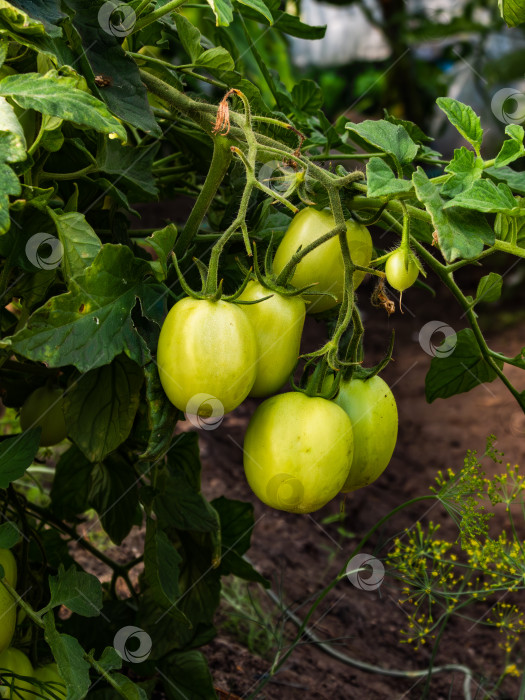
16,671
300,450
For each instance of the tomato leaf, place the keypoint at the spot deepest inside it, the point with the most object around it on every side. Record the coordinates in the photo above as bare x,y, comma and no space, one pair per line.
187,676
98,308
485,196
71,484
131,166
307,97
12,150
101,406
79,242
466,168
489,288
390,138
114,495
69,655
460,233
381,181
17,454
514,179
58,96
223,11
464,119
162,569
512,148
125,96
189,36
78,591
458,367
9,535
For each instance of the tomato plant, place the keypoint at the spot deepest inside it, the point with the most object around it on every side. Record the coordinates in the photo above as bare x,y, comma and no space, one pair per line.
138,152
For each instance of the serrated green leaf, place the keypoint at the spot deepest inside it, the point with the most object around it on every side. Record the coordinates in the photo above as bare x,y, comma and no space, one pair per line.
80,243
514,179
162,569
101,406
187,676
110,659
458,367
461,234
216,60
189,36
307,97
58,96
131,166
390,138
511,229
464,119
78,591
489,288
485,196
126,95
510,151
90,325
48,13
128,689
381,180
465,168
17,454
69,655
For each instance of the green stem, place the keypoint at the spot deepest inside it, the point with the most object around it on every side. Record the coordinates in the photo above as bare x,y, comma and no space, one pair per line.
157,14
68,176
219,165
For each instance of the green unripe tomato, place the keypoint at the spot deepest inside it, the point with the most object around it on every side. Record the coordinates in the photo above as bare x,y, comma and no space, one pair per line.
372,410
324,264
49,674
7,604
297,452
278,324
45,407
401,270
14,661
206,349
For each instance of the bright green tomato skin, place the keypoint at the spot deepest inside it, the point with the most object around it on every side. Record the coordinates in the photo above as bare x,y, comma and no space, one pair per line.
323,265
45,408
7,604
297,452
398,275
49,674
207,347
15,661
372,410
278,324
